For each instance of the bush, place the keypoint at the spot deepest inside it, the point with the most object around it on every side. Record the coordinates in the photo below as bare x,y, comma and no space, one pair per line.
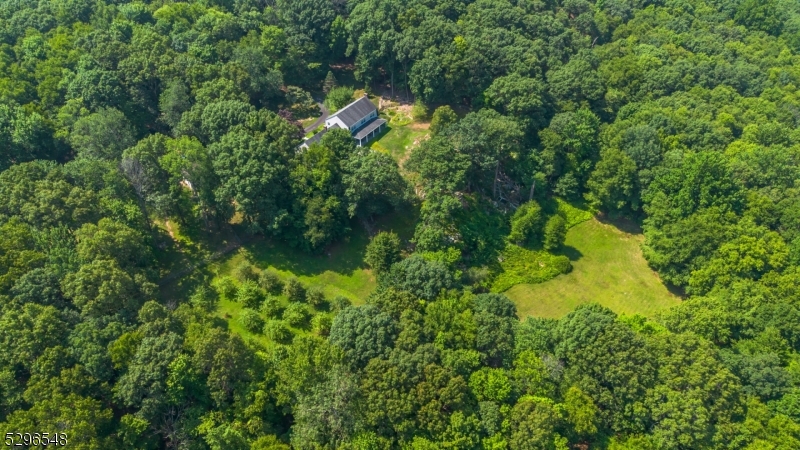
419,111
249,295
244,272
296,315
522,266
278,331
555,231
270,282
321,324
315,297
226,287
526,223
204,298
443,117
294,290
340,302
251,321
338,98
271,306
383,251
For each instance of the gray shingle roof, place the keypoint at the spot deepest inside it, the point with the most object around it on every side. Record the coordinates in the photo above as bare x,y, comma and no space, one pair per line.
315,138
355,111
369,128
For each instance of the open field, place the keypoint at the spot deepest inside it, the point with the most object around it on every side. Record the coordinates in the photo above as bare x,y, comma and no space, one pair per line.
399,140
608,268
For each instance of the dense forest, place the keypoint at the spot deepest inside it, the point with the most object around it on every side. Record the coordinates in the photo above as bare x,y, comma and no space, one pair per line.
682,116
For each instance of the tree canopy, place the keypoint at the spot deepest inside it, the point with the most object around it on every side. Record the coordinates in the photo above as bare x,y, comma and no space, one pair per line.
121,118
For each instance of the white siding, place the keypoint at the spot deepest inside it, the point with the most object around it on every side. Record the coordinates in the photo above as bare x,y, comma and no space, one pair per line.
335,120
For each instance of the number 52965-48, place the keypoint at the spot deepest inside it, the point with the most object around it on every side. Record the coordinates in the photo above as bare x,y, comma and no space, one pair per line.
36,439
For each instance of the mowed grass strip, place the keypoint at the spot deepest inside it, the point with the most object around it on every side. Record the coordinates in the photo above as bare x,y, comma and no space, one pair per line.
608,268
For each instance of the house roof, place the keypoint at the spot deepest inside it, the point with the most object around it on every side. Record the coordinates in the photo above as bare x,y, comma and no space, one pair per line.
369,128
315,138
355,111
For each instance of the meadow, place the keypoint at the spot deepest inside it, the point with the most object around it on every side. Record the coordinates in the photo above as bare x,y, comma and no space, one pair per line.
607,268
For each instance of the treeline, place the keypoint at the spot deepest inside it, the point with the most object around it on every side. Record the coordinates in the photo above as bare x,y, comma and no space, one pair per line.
682,115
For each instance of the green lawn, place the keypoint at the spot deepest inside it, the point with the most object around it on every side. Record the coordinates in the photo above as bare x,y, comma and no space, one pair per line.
397,140
339,270
608,268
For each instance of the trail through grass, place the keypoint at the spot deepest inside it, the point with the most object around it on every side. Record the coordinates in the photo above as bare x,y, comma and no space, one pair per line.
608,268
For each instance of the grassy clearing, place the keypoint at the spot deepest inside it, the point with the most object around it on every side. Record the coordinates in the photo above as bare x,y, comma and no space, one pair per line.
608,268
399,140
186,244
337,273
339,270
402,133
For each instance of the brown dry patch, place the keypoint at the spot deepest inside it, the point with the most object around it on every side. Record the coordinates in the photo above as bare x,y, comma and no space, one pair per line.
420,126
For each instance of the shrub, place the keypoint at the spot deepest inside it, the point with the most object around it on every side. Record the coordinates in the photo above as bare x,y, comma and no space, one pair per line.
294,290
340,302
383,251
315,297
271,306
244,272
226,287
204,298
278,331
251,321
296,315
270,282
522,266
338,98
443,117
321,324
329,83
249,295
419,111
526,223
555,231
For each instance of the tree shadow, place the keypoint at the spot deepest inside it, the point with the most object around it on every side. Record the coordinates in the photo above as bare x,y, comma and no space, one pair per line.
675,290
570,252
180,289
622,223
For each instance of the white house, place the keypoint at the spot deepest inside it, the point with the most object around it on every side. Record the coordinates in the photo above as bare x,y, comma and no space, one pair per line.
359,117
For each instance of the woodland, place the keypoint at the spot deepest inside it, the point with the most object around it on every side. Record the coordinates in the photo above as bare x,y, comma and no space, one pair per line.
679,116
